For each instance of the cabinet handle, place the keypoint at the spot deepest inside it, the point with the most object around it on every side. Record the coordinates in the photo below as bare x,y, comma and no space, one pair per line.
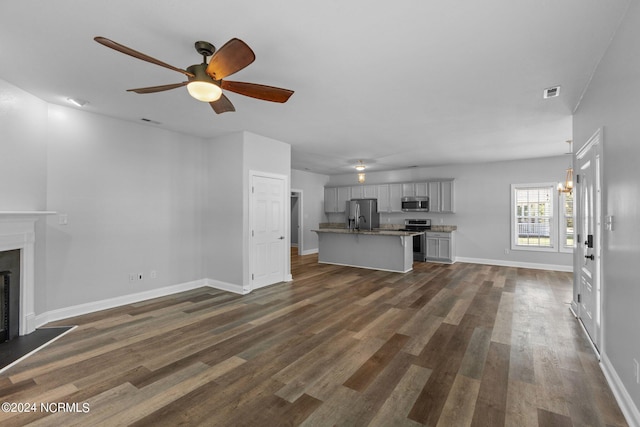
591,257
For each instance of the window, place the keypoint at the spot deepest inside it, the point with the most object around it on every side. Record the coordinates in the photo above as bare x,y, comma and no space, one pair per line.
541,218
567,236
533,223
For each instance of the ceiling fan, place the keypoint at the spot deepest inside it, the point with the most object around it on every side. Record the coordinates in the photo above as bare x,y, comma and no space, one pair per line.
205,81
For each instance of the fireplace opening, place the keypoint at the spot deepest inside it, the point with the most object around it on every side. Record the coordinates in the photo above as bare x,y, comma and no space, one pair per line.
9,294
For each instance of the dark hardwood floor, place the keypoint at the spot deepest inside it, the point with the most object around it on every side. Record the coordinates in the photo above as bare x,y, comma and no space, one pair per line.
443,345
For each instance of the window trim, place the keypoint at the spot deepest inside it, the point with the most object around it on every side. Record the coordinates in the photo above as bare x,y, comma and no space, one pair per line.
554,223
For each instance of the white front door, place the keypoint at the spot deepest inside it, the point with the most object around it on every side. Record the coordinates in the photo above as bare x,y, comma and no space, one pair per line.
268,237
589,162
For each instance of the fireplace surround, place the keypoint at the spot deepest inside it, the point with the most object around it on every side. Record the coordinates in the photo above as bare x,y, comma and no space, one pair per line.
18,231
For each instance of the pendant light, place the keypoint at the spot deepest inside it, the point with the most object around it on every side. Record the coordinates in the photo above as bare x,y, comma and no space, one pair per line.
567,187
360,167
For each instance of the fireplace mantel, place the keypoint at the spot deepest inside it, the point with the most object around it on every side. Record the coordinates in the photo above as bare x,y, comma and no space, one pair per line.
17,231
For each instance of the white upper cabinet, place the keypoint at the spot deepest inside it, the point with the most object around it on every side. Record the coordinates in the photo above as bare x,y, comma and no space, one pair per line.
335,198
408,189
364,192
344,195
370,191
446,196
421,189
357,192
441,196
383,198
389,196
434,196
395,197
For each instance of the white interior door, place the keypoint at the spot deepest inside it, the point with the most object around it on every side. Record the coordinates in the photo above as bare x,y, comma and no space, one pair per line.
588,165
268,233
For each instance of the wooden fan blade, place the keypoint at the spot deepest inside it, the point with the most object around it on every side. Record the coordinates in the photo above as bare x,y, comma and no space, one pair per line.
222,105
152,89
229,59
266,93
128,51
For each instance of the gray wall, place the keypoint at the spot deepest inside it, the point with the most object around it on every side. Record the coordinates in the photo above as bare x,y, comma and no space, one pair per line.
223,217
612,101
133,196
230,160
23,166
312,186
482,206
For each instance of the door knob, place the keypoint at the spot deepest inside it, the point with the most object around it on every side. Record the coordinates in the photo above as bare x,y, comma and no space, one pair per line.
281,237
591,257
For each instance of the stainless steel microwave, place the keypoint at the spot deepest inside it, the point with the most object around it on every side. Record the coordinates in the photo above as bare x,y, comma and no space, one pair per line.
415,204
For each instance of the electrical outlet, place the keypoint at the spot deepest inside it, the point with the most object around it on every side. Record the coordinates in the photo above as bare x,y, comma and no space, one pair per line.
636,370
506,251
153,274
132,277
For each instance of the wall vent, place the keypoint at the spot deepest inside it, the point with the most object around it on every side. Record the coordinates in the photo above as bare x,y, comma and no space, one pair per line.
551,92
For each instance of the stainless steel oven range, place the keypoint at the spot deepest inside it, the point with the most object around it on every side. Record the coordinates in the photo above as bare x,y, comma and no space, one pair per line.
419,241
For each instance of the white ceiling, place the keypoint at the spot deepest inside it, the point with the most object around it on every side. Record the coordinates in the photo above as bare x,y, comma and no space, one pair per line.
397,84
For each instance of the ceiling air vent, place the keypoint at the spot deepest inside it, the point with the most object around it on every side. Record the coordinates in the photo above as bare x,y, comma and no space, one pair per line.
551,92
150,121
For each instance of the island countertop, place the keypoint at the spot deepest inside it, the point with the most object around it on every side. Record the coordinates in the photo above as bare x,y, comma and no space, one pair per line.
378,249
376,232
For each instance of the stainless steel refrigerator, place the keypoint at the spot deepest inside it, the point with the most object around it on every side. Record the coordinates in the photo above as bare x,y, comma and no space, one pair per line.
362,214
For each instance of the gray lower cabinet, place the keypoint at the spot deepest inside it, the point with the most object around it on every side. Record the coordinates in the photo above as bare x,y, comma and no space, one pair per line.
441,246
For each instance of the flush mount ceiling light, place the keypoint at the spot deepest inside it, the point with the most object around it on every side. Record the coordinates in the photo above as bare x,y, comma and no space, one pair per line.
567,187
360,167
77,102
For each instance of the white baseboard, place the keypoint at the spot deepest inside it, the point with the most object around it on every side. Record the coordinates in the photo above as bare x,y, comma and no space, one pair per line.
90,307
629,409
225,286
503,263
309,252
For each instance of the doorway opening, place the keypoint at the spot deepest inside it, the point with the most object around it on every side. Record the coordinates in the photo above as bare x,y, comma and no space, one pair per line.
297,246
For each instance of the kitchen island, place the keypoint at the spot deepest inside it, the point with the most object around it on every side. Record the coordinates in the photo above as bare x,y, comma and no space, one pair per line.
387,250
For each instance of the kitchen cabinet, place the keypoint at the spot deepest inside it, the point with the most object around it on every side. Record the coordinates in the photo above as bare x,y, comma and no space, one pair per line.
440,193
335,198
440,196
364,192
389,196
421,189
408,189
440,246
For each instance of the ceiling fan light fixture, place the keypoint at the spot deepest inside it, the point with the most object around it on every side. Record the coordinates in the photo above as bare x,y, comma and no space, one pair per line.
204,91
201,86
